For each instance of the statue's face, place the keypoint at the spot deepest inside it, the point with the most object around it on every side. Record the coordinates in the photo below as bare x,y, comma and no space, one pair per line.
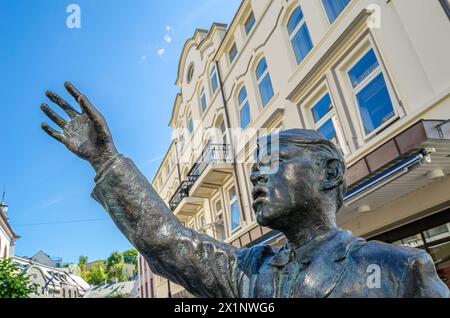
289,192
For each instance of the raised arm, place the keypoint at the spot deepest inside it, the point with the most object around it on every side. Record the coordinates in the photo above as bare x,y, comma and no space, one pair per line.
204,266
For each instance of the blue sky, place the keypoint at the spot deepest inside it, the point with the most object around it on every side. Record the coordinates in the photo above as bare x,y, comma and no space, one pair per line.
125,59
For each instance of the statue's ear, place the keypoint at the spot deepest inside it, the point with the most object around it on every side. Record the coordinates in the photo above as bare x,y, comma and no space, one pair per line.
334,174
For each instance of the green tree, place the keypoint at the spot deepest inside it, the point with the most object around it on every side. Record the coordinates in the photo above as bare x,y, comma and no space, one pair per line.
131,257
13,282
96,275
115,267
82,260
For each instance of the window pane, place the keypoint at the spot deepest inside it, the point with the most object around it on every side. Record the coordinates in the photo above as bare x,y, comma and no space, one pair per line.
334,8
190,125
375,104
245,116
262,66
363,68
235,217
250,23
233,52
214,81
295,19
232,194
302,43
322,108
242,95
203,100
266,90
328,130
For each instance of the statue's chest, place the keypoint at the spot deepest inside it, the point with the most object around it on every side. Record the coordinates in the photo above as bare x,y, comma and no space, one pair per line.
280,282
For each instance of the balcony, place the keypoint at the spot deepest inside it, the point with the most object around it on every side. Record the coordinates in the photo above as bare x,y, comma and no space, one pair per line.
208,172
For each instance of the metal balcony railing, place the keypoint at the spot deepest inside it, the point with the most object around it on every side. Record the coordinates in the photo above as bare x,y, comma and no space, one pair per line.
181,193
212,153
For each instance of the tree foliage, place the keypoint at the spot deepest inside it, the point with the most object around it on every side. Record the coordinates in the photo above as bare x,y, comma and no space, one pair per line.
96,275
13,282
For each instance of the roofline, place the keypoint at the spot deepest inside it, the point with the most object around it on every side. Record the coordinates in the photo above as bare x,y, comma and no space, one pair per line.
14,236
172,117
204,31
225,38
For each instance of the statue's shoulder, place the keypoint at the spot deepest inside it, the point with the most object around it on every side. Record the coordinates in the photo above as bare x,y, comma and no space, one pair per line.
396,259
255,256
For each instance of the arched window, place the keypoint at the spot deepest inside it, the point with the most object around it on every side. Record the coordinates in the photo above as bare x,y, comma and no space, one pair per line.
213,78
244,108
203,99
190,123
264,82
299,35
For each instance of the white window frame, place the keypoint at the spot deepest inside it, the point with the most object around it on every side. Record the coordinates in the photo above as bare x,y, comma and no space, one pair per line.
188,122
213,74
247,33
230,206
294,33
356,57
317,95
260,79
230,59
202,96
241,106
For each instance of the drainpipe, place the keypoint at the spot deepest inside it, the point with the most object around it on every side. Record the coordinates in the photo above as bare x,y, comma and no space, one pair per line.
234,163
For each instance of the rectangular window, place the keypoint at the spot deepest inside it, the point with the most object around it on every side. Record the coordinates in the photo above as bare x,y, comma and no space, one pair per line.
235,214
203,100
249,23
334,8
232,53
371,92
299,35
214,82
324,115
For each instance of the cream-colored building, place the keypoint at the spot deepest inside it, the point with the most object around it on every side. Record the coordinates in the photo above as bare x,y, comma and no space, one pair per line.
372,75
8,237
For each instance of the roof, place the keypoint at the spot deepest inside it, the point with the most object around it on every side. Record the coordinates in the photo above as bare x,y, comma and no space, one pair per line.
55,275
112,290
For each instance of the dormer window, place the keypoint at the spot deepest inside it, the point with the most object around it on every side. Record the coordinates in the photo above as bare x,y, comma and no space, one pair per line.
249,23
232,53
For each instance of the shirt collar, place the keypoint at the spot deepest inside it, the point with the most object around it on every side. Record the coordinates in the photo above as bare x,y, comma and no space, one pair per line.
305,253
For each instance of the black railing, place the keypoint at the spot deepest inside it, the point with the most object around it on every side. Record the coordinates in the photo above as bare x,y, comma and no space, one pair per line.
212,153
181,193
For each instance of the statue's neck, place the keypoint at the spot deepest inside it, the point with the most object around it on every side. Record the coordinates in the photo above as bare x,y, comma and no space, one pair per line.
303,235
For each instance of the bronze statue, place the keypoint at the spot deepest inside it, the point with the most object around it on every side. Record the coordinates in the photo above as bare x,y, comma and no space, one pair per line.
300,199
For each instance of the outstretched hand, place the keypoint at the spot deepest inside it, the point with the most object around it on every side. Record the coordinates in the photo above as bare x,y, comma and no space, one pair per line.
86,134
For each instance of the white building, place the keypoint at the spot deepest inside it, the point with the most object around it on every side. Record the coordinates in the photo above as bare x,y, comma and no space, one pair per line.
7,236
52,282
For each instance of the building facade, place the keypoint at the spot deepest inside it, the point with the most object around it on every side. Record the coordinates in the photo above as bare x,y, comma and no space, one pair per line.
45,259
52,282
7,236
371,75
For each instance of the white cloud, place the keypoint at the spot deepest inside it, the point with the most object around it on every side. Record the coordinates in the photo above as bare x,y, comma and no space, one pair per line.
144,58
168,39
169,28
161,52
